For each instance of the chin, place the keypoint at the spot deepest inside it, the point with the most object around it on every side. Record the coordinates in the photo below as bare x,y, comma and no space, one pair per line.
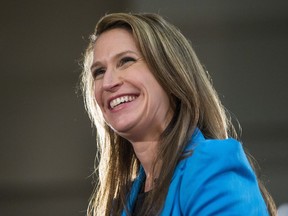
121,128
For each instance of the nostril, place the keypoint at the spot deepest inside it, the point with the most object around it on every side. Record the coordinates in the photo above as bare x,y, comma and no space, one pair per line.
112,86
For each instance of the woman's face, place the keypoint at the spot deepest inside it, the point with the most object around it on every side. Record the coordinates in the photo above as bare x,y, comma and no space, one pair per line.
131,100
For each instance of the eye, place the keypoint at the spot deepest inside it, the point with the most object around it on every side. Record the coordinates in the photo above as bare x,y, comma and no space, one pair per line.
126,60
98,73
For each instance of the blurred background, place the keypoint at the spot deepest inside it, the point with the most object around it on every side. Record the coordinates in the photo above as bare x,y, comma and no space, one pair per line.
47,145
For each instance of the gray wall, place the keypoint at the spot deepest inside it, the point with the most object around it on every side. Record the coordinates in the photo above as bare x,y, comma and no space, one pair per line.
47,145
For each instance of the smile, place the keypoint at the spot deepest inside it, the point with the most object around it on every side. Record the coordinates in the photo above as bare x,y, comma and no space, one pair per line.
121,100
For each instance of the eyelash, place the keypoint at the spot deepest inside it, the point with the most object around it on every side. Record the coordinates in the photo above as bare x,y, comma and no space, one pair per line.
97,72
125,60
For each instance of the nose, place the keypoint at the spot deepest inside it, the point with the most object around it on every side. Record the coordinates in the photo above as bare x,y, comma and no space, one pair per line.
111,80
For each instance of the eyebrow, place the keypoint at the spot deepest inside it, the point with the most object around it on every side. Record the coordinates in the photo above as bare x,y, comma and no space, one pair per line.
95,64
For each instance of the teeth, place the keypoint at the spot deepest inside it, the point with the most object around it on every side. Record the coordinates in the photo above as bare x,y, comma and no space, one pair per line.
120,100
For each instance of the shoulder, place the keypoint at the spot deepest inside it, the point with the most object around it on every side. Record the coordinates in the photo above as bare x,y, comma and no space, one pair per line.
227,152
210,156
212,160
218,178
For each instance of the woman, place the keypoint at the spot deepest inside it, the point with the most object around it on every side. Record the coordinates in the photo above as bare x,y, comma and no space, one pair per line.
162,132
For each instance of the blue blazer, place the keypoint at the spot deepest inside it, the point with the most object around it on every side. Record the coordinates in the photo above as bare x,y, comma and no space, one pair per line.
216,179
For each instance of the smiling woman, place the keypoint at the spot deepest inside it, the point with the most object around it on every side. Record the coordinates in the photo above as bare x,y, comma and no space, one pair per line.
130,98
162,133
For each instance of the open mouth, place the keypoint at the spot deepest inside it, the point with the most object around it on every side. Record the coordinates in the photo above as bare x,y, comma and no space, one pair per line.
120,100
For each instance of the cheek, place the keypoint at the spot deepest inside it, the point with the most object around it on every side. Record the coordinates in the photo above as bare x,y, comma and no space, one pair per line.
97,96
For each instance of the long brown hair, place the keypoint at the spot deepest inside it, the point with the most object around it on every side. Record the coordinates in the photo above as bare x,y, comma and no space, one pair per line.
195,102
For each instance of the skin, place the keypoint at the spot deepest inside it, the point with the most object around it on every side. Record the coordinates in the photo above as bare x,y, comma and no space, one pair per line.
119,70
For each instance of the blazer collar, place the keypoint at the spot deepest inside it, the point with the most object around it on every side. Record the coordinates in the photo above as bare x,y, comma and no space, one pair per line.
136,186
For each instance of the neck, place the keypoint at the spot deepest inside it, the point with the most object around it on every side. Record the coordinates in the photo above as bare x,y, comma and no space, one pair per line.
146,153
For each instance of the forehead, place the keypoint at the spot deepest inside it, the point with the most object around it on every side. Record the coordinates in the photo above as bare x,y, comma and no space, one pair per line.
114,40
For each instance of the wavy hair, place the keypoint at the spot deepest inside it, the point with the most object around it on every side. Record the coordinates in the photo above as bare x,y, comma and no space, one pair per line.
195,102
